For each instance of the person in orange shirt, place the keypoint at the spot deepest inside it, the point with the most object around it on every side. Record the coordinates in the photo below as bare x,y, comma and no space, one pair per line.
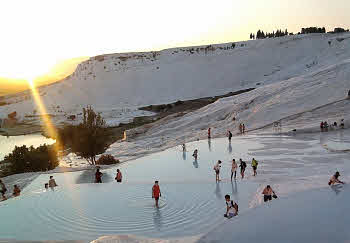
156,194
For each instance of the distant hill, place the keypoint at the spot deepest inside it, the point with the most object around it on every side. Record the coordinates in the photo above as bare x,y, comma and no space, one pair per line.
58,72
114,83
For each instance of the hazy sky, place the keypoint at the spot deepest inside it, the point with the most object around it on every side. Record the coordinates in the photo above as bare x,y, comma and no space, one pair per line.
39,33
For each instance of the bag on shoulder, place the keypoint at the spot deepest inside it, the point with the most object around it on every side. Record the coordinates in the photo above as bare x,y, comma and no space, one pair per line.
234,205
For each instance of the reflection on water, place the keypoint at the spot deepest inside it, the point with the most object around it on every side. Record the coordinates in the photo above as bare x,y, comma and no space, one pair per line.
7,144
184,155
157,219
209,144
87,211
218,191
234,188
229,147
88,176
195,163
336,141
337,188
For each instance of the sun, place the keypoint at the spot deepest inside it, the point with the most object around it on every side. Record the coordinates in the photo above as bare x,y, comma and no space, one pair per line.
31,83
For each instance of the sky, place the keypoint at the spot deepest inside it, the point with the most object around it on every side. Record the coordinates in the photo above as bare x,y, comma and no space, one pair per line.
39,34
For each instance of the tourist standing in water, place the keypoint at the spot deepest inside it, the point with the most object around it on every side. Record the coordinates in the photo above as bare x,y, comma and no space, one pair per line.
242,165
243,128
3,190
217,170
119,176
321,126
255,166
156,194
268,193
229,136
195,154
231,207
240,128
16,191
52,183
234,169
183,147
209,133
335,179
98,176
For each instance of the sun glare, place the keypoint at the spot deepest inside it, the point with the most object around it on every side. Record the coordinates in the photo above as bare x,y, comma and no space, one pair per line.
48,126
31,83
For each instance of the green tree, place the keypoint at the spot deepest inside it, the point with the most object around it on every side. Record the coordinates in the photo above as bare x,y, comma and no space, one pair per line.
24,159
88,138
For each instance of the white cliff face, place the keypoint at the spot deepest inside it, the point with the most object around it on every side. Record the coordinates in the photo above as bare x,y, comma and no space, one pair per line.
115,84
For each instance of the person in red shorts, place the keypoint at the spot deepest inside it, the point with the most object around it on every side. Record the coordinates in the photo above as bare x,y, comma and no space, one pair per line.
156,194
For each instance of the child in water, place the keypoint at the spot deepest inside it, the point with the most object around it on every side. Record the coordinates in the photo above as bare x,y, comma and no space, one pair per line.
231,207
217,170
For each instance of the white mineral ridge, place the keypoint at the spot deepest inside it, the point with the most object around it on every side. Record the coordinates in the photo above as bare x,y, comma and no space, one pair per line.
116,84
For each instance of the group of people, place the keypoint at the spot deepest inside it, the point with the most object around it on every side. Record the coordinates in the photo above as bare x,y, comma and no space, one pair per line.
242,165
324,125
52,183
241,128
229,133
268,194
99,174
231,206
16,190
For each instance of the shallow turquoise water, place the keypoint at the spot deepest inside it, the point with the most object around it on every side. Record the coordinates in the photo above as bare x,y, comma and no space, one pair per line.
7,144
192,202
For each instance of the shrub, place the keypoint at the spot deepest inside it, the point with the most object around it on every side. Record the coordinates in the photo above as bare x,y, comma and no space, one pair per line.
107,159
88,138
23,159
179,102
160,108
